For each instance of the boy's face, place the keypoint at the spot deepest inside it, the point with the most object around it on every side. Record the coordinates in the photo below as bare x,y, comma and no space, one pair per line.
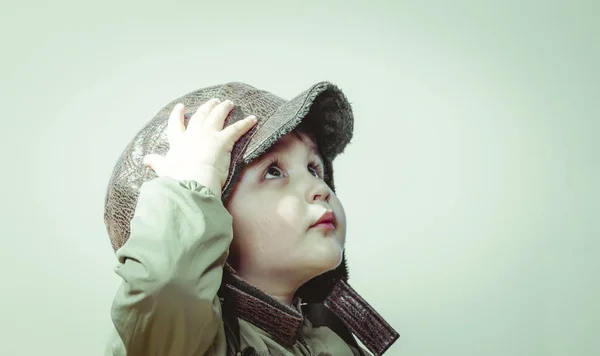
275,204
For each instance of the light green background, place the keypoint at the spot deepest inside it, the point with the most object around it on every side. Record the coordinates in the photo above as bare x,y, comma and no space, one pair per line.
470,186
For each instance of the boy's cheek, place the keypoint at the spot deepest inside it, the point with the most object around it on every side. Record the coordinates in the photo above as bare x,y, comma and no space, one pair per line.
342,238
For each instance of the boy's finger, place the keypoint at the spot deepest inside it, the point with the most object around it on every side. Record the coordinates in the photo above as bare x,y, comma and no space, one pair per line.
234,131
154,162
217,117
175,125
197,120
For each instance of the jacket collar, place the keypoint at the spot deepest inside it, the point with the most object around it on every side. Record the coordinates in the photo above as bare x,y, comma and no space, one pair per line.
247,302
284,323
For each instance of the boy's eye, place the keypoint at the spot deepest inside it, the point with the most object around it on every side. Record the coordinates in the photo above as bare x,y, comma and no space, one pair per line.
273,172
314,171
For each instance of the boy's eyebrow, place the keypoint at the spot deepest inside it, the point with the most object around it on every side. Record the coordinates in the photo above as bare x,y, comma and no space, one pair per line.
315,150
272,148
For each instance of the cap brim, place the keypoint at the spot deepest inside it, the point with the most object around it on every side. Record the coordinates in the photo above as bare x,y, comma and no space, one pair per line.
334,124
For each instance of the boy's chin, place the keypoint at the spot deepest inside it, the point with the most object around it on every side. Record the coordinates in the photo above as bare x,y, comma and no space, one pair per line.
323,262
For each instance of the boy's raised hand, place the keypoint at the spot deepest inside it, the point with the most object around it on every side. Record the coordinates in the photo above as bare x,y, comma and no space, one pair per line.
202,152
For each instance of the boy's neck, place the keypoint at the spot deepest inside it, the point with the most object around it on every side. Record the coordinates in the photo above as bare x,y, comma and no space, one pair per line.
280,288
283,299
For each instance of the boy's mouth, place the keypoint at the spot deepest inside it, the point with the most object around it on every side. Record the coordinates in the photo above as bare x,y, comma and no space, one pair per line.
327,221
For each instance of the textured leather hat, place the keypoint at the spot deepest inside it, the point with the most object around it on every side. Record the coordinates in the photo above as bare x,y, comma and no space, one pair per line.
324,109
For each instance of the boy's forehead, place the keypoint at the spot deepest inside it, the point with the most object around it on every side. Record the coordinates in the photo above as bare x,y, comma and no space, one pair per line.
294,136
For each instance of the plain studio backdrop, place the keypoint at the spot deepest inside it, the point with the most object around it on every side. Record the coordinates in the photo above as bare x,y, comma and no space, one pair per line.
470,185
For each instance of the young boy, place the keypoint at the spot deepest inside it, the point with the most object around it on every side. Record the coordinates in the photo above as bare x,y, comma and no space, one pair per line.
229,235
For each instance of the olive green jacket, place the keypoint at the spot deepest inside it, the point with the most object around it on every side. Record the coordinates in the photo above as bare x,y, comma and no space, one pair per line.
171,269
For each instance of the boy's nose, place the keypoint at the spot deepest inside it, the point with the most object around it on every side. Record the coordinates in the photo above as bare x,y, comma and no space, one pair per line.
318,190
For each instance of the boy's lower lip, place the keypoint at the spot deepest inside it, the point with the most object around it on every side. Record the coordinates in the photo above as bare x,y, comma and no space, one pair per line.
325,225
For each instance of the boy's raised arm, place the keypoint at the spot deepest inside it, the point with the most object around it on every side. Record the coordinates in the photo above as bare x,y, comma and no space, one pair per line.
171,268
172,263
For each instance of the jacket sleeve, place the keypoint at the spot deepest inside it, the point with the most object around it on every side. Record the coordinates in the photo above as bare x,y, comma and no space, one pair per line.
171,269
